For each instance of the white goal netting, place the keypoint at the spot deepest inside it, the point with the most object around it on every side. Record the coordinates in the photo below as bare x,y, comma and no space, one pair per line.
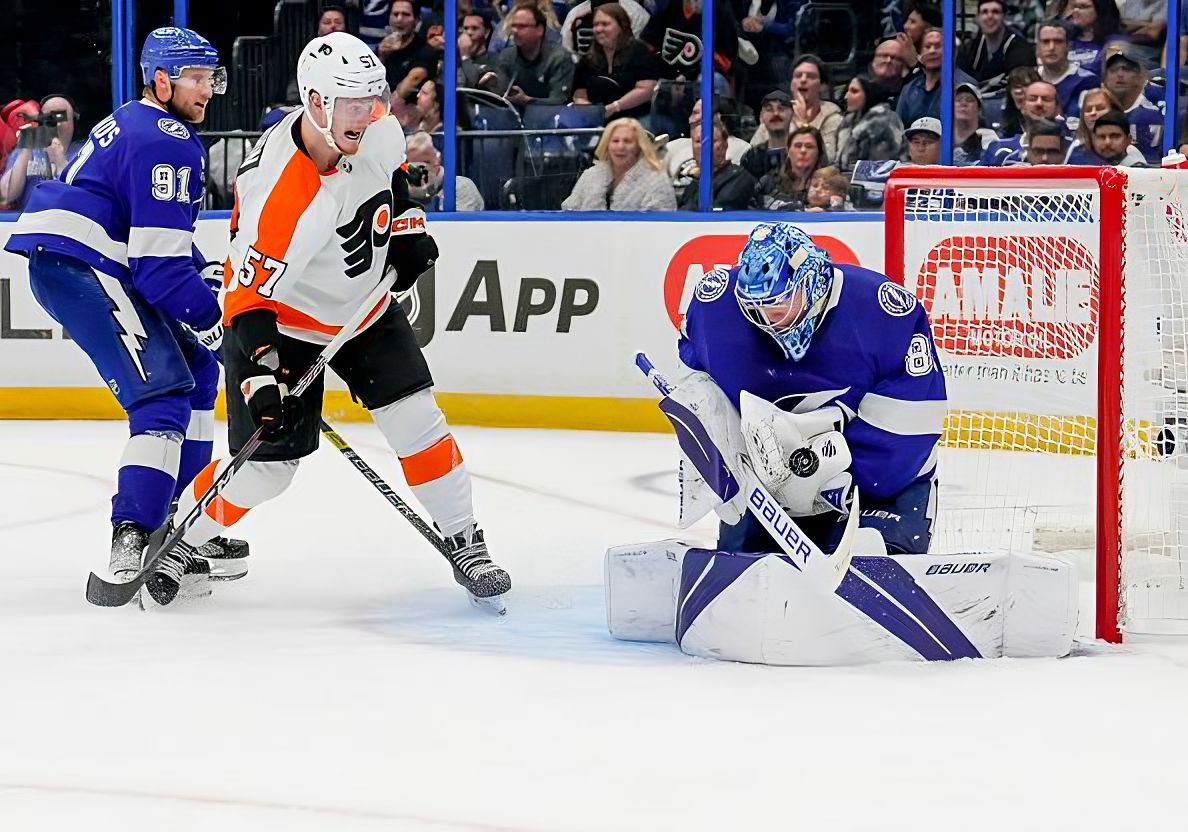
1030,283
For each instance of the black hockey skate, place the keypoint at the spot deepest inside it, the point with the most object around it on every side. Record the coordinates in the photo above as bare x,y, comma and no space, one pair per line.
181,570
226,556
475,572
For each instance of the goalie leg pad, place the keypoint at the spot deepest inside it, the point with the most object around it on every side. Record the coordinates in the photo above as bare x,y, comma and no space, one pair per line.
759,608
641,590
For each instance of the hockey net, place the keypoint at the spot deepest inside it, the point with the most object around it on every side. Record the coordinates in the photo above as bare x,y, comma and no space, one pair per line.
1059,305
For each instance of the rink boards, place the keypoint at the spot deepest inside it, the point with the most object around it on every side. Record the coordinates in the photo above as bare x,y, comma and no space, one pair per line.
525,323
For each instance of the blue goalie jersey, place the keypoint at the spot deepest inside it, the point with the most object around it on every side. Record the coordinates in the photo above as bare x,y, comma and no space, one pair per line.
126,206
872,355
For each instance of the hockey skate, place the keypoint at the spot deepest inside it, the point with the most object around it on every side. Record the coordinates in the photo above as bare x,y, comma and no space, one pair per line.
226,556
127,551
485,582
181,572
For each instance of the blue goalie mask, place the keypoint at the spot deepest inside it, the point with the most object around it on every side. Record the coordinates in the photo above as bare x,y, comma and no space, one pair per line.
783,285
175,50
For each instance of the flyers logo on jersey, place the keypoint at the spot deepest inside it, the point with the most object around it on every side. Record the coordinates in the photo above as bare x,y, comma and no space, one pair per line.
1017,296
366,231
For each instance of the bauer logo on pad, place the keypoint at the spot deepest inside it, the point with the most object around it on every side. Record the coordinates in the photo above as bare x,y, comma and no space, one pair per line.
1020,296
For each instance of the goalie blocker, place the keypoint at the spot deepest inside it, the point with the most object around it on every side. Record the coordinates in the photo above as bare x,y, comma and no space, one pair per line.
759,608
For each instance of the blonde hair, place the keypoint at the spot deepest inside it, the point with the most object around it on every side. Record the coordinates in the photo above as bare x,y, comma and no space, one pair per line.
1084,134
647,150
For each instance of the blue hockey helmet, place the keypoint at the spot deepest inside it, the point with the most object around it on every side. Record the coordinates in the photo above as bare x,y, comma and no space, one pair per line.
174,49
783,285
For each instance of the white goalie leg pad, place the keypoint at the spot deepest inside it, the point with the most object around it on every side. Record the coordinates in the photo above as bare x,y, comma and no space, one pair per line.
760,608
641,590
416,430
1041,608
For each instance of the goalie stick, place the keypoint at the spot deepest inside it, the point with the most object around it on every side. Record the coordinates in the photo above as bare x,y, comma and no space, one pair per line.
492,604
710,463
103,593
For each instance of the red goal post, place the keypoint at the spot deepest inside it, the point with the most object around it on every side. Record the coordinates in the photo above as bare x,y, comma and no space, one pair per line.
1066,417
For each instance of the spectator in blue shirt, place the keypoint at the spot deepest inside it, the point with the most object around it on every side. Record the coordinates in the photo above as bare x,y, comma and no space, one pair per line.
920,96
1123,75
1052,39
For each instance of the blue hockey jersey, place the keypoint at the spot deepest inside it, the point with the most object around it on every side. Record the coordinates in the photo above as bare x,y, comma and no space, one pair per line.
126,206
872,354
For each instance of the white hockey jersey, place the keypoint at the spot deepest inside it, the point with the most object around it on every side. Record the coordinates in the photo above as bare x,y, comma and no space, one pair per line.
312,246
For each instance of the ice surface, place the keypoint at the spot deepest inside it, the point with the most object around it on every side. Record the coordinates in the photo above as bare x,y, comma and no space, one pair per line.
346,684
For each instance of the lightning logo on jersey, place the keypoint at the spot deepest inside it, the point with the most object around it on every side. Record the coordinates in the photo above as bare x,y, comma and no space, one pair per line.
132,332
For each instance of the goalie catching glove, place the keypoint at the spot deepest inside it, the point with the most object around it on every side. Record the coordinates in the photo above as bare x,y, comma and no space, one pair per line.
411,251
802,458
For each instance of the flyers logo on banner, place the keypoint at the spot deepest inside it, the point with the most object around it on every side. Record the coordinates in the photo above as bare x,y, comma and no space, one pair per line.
701,255
1017,296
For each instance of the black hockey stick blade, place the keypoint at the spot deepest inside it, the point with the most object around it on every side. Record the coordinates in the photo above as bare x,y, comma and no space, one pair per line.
103,593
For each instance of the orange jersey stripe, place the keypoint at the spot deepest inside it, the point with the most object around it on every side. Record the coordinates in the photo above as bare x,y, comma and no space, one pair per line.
288,200
296,319
432,463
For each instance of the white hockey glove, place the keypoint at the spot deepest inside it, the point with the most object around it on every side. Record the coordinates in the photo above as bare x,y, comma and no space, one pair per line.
803,459
701,394
212,275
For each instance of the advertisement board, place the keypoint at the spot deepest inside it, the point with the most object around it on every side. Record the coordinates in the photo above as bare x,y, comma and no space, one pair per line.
524,323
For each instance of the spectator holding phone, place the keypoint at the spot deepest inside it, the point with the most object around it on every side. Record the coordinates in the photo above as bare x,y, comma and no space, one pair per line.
45,145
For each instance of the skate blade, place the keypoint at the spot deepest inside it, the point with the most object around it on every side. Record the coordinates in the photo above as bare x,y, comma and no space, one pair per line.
495,605
230,569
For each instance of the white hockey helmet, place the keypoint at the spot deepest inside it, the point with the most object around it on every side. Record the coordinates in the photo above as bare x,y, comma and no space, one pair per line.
340,66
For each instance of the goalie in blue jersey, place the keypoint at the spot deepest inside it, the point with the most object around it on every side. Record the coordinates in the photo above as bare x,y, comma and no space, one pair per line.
834,370
812,416
111,258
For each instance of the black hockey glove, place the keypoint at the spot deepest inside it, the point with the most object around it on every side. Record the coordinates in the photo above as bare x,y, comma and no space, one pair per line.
268,400
267,396
411,251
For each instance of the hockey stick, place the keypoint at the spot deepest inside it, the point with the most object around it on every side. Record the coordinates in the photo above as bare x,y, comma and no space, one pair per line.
104,593
705,456
406,511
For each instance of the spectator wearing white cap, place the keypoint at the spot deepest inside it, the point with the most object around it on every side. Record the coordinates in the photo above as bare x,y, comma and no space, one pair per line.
924,141
1052,40
970,139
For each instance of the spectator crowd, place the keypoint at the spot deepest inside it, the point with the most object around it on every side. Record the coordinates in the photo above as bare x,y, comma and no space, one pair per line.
595,105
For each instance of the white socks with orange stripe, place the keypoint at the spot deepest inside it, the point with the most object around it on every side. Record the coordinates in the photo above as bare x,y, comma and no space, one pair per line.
253,484
417,431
